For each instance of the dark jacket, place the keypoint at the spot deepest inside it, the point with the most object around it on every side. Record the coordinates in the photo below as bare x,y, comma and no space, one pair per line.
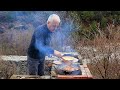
39,46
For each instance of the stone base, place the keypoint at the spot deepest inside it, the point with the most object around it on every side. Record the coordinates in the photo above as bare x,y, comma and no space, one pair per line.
29,77
84,69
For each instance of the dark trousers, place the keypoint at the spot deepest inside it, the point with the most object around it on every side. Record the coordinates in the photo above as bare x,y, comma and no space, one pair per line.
35,66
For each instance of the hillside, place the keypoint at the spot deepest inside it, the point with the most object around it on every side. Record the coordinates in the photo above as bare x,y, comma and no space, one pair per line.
95,35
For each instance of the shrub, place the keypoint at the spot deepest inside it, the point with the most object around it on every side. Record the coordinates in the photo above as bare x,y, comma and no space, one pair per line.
7,69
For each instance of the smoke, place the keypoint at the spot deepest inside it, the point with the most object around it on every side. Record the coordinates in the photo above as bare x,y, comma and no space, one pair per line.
34,17
60,38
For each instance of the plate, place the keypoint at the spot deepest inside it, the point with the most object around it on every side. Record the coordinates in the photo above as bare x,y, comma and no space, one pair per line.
57,62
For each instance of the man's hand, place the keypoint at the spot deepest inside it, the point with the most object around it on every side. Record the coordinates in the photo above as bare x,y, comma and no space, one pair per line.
57,53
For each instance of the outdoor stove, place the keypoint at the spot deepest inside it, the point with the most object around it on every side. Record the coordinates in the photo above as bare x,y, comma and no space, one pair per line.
66,68
74,70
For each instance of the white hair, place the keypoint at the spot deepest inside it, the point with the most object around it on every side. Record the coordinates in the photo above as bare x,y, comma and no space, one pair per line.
53,17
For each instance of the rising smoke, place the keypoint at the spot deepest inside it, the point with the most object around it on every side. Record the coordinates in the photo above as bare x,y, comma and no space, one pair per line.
61,37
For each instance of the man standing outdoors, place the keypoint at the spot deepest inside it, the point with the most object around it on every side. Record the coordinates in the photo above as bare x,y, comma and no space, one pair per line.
39,46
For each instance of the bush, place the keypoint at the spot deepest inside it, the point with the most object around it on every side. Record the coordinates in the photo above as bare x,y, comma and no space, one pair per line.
7,69
102,55
14,42
87,16
5,16
103,22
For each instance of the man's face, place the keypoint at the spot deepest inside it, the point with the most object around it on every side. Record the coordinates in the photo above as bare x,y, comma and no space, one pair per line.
53,25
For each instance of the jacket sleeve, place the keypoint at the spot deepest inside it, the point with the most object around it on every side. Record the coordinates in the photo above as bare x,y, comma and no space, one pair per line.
39,43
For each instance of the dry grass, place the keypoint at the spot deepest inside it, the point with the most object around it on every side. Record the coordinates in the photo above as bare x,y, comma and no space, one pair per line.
103,54
15,42
7,69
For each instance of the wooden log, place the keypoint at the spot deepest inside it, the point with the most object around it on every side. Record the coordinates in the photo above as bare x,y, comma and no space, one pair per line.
83,70
72,77
88,73
85,65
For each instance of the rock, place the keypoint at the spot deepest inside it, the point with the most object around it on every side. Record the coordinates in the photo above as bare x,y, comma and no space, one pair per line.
20,27
45,77
53,73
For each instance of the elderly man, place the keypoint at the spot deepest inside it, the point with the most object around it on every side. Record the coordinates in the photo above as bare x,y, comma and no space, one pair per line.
39,46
